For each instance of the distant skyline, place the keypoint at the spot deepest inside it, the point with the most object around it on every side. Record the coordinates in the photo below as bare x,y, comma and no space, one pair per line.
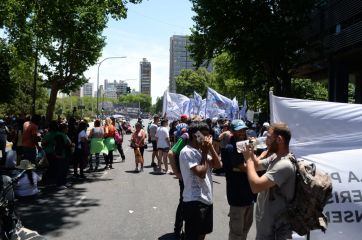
144,34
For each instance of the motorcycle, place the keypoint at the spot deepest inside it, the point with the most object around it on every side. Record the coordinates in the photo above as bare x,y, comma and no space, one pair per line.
11,227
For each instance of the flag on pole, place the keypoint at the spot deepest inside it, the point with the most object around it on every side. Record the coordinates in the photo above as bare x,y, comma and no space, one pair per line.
197,103
243,110
234,110
173,104
217,104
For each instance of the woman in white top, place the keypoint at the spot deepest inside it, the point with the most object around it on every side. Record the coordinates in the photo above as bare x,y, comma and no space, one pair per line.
163,144
28,183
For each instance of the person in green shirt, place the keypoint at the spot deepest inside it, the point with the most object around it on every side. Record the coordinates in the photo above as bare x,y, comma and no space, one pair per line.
48,147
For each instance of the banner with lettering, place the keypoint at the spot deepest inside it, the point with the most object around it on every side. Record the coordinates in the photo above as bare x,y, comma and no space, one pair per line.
329,134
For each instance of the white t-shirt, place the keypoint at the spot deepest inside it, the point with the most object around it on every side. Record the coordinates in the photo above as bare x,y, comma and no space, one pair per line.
196,188
153,130
162,135
24,187
82,134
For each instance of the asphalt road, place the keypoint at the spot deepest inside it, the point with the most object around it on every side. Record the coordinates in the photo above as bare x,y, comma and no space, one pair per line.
117,204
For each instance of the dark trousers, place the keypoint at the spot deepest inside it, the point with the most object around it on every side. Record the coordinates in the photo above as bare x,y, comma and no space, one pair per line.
61,170
109,158
178,218
120,150
3,159
80,160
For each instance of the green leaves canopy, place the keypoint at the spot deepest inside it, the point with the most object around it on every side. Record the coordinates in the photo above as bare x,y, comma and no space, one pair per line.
65,35
263,37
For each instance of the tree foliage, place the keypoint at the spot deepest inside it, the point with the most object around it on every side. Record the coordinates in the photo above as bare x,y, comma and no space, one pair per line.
65,35
263,37
194,80
144,100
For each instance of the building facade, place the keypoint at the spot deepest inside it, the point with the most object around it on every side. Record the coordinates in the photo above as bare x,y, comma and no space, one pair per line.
180,59
145,77
88,90
335,48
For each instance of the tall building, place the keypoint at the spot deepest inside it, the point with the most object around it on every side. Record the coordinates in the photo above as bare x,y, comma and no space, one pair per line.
121,88
180,58
88,90
145,77
335,49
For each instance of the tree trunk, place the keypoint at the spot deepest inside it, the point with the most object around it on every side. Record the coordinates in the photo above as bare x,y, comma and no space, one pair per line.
52,100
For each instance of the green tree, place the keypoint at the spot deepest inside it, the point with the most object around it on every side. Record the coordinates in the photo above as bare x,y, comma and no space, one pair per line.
263,37
157,107
66,35
194,80
7,89
144,100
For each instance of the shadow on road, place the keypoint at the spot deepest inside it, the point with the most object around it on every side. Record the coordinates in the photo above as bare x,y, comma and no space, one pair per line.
54,210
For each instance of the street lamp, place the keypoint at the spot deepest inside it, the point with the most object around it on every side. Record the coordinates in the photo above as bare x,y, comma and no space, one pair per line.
99,64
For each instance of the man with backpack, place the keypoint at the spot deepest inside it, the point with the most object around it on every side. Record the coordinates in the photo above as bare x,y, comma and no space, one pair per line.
276,187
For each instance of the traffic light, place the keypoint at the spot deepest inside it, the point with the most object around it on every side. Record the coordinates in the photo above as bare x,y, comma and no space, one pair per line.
128,90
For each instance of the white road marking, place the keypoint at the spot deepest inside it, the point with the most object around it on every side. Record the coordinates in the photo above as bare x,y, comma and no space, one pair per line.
131,211
154,208
80,201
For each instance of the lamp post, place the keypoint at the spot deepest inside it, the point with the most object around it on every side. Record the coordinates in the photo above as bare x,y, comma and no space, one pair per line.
99,64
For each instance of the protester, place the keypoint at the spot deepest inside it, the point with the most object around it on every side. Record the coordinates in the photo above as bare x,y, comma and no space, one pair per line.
62,153
138,145
172,132
48,143
81,150
109,142
174,157
196,174
119,144
163,145
30,138
97,145
239,195
152,134
28,183
4,131
276,187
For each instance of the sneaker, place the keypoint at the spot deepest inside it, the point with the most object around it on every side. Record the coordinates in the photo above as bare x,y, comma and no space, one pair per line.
141,169
153,164
106,167
136,170
62,187
111,167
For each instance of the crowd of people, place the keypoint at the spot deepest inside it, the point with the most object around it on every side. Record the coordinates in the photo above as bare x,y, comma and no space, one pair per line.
194,148
265,177
53,147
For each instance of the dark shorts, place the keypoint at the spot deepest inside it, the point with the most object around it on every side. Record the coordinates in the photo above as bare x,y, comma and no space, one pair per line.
198,219
165,150
154,145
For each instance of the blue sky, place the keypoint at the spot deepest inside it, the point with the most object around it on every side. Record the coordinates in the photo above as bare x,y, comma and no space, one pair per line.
144,34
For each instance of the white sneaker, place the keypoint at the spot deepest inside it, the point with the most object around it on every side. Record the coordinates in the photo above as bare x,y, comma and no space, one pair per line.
62,187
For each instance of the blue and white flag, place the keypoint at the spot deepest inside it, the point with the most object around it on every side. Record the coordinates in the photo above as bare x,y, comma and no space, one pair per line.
187,107
217,105
196,104
202,109
234,110
173,105
243,110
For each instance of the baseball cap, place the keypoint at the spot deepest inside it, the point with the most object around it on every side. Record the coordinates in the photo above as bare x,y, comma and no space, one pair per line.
266,124
237,124
184,116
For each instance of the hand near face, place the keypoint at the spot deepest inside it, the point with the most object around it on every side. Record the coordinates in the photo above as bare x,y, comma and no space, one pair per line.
207,143
248,151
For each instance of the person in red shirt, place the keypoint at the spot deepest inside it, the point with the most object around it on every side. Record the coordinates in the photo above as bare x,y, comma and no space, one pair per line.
30,139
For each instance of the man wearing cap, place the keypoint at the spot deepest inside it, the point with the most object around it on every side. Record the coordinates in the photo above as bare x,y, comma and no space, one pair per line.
239,195
181,127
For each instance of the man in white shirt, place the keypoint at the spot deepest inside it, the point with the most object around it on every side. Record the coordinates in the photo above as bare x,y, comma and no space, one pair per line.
152,131
163,144
196,166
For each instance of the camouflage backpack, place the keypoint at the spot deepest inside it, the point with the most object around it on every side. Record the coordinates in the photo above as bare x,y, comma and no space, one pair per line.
312,190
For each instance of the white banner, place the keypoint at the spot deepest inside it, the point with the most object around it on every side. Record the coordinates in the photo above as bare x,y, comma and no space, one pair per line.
173,105
330,135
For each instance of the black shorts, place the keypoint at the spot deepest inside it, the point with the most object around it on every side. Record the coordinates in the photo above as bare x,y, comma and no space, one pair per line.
198,218
154,145
165,150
